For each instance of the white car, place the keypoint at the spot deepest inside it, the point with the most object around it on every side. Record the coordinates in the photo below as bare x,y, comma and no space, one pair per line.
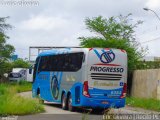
16,77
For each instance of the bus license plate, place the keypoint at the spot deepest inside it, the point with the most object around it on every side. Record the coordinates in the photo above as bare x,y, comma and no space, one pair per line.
104,102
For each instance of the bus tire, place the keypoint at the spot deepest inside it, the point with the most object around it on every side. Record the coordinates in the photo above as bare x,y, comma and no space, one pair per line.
64,102
70,107
38,93
39,97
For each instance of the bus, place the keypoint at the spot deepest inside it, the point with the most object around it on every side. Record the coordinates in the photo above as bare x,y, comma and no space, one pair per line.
81,77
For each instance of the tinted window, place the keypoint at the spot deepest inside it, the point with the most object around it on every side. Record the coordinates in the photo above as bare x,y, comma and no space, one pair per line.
35,69
43,66
14,75
63,62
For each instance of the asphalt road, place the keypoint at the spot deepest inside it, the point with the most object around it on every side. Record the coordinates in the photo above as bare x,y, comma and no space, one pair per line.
54,112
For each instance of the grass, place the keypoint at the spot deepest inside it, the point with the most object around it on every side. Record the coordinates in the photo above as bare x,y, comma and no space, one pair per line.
150,104
13,104
21,86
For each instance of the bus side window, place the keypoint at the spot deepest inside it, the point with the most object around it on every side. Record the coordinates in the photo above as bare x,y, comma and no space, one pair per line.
53,63
74,65
73,62
63,62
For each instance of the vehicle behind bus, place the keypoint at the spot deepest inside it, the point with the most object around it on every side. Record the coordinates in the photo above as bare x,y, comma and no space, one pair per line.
82,77
17,74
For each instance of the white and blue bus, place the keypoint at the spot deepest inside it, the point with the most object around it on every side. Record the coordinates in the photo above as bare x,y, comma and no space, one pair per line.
81,77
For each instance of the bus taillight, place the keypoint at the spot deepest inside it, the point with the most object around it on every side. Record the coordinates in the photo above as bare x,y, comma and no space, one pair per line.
85,89
124,92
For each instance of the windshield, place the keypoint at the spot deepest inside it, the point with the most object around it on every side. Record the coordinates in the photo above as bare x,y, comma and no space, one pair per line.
14,75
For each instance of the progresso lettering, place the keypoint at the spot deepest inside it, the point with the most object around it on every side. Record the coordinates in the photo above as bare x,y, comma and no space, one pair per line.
106,69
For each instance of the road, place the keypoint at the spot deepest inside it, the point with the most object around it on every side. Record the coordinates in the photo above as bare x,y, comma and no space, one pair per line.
54,112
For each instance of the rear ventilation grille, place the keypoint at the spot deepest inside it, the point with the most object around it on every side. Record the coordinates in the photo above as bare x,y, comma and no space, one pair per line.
104,76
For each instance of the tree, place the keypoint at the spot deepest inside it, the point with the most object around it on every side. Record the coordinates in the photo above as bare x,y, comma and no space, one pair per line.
6,50
115,32
20,63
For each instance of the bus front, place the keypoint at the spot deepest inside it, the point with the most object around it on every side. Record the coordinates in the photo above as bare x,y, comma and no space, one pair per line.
106,83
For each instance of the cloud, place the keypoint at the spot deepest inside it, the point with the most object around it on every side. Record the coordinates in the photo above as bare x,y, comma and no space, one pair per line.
42,22
61,22
153,4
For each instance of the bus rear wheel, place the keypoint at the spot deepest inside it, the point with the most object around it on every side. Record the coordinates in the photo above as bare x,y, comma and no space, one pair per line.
70,107
64,102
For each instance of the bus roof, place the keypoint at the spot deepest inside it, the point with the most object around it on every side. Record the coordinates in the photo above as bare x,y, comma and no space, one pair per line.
70,50
61,51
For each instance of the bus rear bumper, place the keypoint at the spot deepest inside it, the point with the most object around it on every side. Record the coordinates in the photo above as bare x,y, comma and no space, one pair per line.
102,103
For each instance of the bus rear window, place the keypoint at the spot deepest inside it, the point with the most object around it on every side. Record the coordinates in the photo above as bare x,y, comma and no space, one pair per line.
63,62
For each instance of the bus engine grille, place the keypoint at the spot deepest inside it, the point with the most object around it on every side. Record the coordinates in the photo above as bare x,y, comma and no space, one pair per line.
105,76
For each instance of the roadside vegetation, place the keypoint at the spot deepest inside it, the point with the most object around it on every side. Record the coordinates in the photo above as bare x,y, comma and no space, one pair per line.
150,104
115,32
148,65
6,52
13,104
22,86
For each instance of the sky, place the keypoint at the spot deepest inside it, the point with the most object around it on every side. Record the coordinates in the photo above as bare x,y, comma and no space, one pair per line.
61,22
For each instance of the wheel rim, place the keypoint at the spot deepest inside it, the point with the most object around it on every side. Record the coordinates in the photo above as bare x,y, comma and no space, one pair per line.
70,103
63,102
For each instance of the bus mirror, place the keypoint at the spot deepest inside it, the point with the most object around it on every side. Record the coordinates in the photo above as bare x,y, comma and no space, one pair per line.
30,70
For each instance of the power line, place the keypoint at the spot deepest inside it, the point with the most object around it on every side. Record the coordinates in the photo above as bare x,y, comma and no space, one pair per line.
158,38
148,32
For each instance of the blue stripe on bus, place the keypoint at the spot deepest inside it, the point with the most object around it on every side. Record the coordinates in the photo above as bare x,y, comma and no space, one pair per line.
60,79
106,55
97,53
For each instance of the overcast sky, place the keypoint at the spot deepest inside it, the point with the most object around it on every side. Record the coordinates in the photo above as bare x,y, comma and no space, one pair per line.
61,22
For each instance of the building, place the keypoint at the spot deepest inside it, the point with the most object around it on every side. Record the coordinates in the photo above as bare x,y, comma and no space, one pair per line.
150,58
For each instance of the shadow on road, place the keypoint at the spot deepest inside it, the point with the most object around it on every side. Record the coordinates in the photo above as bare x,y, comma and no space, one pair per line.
78,109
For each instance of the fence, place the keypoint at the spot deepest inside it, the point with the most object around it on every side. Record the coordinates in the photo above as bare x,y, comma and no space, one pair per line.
146,83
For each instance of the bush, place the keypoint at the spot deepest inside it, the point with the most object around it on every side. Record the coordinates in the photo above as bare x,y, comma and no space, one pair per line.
21,86
150,104
2,89
148,65
17,105
13,104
